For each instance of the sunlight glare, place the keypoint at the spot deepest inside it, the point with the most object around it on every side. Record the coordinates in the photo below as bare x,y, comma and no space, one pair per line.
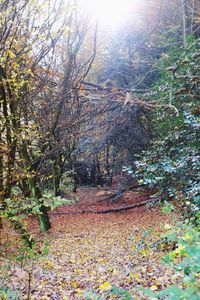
110,13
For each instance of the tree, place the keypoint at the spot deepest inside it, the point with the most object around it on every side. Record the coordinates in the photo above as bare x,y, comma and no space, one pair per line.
21,55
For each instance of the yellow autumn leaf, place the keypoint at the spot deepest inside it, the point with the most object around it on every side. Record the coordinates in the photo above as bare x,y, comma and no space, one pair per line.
136,276
187,237
62,284
131,274
77,271
49,264
79,292
181,251
130,278
144,252
105,286
154,288
11,54
132,248
74,284
72,261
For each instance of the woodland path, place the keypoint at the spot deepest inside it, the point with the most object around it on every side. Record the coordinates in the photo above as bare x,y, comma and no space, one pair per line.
90,251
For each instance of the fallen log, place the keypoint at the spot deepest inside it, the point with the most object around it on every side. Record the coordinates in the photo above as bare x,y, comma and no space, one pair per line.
108,88
107,211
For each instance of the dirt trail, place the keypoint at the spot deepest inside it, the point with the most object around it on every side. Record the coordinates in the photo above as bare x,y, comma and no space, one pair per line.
92,252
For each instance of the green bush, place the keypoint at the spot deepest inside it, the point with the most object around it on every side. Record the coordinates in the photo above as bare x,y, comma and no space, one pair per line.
185,259
171,165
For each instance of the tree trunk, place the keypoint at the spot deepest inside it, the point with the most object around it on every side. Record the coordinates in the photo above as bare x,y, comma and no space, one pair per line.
43,217
24,188
56,179
184,23
108,169
98,171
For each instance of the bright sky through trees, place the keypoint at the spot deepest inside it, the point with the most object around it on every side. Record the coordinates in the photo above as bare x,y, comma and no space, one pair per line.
110,13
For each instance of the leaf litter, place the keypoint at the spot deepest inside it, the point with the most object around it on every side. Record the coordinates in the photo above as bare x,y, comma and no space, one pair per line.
90,252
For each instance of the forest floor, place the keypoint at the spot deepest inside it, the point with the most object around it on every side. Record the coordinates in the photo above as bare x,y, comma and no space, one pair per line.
94,252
